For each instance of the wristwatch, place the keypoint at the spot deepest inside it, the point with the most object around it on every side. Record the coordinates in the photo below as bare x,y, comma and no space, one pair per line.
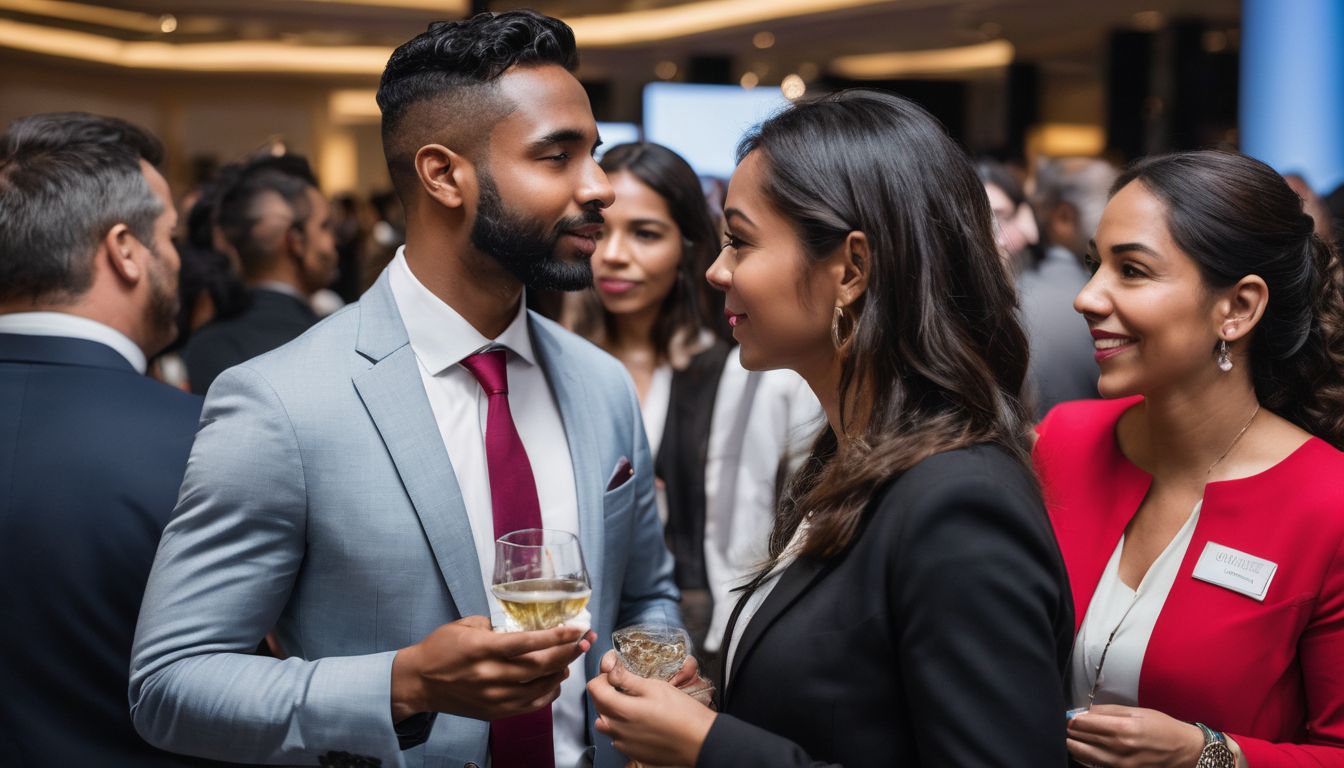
1216,753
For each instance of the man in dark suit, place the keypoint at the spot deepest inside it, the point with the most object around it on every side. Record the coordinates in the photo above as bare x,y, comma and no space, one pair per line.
91,451
282,229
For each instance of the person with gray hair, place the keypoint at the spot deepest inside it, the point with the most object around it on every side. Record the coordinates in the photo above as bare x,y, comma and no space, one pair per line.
1068,198
91,451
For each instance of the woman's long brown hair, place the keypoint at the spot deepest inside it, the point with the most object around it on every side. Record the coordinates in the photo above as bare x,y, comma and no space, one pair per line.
938,357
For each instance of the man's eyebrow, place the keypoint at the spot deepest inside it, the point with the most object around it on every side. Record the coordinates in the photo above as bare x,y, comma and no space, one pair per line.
560,136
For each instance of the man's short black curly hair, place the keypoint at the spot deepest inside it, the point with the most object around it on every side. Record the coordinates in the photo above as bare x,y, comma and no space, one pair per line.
438,86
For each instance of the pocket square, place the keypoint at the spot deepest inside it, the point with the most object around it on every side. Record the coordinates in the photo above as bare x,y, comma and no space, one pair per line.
624,471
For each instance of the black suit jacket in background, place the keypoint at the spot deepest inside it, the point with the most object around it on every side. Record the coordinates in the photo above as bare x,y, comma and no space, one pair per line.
91,457
939,638
271,319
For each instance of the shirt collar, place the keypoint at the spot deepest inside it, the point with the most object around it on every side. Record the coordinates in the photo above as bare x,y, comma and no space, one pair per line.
75,327
441,337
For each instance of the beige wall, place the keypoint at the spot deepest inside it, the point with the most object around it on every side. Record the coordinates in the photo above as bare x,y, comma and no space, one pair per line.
225,118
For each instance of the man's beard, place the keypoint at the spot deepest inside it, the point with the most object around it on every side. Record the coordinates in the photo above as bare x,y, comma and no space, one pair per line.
161,312
525,247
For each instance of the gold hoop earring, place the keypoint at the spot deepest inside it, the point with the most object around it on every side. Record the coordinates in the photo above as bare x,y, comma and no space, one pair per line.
836,319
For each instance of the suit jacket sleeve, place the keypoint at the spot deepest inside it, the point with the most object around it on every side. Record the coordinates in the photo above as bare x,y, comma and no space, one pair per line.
1321,652
223,573
979,587
648,591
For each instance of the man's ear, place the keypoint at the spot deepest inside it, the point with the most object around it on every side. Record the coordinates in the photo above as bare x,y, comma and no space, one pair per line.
296,242
122,252
851,268
445,175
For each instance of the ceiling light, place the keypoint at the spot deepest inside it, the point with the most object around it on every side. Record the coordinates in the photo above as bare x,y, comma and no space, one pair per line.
793,87
630,28
749,80
665,70
1149,21
941,61
763,40
167,23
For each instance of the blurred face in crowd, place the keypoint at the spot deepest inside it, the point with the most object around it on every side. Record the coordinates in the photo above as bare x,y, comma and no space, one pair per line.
317,262
1154,322
778,301
639,250
163,264
540,191
1014,225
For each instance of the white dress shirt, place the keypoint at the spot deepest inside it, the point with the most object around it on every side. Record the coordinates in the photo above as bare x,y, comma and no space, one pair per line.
1135,614
75,327
441,339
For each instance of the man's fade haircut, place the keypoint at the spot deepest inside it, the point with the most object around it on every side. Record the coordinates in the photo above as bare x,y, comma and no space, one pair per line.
244,192
67,178
438,87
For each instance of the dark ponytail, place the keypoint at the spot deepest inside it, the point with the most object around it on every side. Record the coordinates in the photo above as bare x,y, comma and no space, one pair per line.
1235,216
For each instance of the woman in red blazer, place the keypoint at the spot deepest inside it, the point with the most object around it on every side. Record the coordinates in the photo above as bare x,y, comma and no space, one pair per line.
1200,510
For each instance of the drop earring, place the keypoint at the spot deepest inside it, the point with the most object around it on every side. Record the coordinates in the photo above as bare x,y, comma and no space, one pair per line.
1223,358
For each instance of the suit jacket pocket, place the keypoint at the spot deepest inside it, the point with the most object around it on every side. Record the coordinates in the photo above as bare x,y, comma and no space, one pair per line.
619,502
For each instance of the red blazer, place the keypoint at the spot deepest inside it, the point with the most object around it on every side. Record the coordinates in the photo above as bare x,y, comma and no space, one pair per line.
1269,674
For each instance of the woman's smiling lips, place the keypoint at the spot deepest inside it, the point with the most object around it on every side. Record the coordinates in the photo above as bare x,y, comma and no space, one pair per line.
1106,345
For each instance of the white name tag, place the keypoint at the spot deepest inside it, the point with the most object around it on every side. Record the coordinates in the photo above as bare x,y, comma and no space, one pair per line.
1235,570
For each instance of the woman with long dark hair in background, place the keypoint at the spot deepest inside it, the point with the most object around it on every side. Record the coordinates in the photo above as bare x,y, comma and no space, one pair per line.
721,436
1199,507
914,611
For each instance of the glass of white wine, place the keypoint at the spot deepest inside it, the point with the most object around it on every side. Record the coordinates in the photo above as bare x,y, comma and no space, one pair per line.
540,578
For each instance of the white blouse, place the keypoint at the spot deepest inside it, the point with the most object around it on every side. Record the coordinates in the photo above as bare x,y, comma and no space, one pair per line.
1131,614
757,598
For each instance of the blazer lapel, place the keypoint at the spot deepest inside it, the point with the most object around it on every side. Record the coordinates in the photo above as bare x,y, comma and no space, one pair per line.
395,398
795,580
584,453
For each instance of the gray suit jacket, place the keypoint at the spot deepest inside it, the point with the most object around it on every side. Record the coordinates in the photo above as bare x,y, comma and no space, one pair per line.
319,501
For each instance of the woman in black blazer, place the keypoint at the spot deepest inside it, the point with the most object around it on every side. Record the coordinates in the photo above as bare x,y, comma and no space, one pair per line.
915,611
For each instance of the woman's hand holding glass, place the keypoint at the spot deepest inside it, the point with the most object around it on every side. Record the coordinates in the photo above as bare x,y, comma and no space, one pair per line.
651,721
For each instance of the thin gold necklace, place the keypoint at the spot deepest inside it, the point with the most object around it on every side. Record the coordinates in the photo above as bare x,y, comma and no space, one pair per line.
1235,440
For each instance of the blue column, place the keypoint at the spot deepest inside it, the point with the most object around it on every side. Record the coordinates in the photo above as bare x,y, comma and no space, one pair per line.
1292,87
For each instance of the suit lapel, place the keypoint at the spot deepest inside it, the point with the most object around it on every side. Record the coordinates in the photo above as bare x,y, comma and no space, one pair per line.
584,452
394,396
795,580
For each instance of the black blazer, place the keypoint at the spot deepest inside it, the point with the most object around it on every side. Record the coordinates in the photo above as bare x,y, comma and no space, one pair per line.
91,457
939,638
270,320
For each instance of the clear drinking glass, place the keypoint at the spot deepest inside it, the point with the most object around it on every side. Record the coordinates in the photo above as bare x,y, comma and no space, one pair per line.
651,650
540,578
655,651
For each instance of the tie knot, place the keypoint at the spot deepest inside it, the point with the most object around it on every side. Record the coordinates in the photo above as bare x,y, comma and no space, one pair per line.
488,368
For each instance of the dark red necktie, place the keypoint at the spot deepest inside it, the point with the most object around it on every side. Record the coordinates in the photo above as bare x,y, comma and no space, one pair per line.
524,741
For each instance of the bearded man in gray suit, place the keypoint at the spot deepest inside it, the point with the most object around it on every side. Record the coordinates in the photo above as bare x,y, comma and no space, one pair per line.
347,488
